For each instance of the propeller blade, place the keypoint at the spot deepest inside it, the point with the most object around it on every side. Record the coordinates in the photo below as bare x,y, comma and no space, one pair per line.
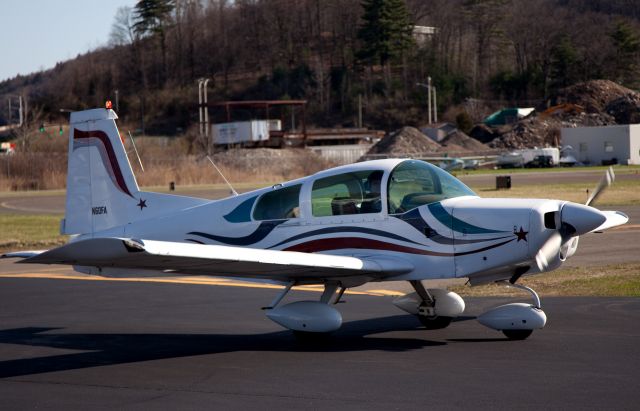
606,180
547,257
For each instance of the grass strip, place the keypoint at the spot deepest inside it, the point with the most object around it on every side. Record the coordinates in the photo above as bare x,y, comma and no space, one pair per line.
615,280
21,232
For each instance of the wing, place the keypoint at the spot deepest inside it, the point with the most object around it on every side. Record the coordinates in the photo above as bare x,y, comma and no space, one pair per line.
216,260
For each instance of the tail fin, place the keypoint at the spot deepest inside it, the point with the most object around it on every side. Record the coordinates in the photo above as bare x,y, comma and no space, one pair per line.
100,183
102,192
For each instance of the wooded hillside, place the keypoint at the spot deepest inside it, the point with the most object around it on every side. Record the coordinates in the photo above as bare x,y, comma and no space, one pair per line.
331,51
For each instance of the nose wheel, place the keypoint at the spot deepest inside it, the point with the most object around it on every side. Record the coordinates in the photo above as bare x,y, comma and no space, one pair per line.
517,334
516,320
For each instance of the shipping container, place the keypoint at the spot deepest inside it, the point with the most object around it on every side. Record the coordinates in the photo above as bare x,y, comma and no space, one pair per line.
240,132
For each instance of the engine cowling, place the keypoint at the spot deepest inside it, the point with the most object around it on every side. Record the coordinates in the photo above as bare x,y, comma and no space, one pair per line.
310,316
448,303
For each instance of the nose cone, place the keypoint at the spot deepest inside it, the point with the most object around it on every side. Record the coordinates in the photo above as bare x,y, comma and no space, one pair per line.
582,218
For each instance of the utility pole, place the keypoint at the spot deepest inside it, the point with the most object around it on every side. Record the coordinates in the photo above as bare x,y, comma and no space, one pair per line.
359,110
200,113
429,97
117,101
203,111
435,106
205,108
22,112
432,108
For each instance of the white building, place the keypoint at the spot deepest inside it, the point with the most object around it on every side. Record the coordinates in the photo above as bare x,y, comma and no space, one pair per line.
593,145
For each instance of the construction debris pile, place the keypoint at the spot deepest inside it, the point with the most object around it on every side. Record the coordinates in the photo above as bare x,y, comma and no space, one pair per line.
410,141
592,103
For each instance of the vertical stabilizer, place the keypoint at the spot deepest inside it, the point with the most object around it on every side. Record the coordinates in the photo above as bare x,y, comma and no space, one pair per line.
101,188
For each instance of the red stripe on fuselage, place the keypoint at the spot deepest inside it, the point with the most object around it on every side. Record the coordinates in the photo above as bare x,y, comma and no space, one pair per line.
327,244
102,136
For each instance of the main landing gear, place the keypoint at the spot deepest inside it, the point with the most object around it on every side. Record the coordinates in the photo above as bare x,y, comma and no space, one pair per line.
307,318
435,308
516,320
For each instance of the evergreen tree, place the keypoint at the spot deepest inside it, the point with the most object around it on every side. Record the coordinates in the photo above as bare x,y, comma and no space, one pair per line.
386,32
151,16
627,46
564,61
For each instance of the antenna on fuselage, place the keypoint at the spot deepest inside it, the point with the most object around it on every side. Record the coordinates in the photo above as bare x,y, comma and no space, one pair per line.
235,193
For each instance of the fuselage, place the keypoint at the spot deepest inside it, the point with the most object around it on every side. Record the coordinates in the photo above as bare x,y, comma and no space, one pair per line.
421,214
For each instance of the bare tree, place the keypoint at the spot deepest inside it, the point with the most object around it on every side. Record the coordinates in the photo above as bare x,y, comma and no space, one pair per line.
122,29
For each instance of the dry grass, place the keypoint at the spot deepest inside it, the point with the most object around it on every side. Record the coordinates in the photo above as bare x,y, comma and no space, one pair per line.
44,167
621,280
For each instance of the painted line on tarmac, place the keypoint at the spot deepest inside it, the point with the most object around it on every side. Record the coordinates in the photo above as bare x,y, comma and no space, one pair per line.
8,206
194,280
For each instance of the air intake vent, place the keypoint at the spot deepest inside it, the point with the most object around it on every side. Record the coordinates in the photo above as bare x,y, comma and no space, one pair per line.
550,220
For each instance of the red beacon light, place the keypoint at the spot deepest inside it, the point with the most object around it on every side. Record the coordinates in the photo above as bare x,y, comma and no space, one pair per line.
108,104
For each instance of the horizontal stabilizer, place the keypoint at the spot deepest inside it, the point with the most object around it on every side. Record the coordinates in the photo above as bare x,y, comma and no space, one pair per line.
22,254
216,260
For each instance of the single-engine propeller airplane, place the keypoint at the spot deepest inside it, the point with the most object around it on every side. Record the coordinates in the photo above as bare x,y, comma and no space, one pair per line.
381,220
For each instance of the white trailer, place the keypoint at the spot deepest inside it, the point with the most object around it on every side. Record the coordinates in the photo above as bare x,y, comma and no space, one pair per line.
240,132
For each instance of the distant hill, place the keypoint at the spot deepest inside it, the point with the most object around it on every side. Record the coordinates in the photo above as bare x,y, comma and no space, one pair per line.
521,54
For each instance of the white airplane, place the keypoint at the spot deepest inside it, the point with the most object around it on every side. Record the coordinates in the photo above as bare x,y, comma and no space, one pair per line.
381,220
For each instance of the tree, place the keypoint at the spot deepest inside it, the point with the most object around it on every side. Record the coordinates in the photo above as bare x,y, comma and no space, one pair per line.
385,32
485,18
564,58
627,46
152,17
122,29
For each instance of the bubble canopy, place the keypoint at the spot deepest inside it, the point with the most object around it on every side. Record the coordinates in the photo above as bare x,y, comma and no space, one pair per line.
413,183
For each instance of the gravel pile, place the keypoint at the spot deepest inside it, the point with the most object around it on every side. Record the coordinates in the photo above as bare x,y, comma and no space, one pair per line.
406,140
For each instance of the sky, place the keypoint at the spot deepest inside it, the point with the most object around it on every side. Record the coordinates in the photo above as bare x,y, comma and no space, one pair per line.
37,34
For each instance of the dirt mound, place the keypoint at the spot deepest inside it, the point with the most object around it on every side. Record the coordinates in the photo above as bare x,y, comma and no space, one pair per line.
403,141
604,102
625,109
541,132
593,95
531,132
463,141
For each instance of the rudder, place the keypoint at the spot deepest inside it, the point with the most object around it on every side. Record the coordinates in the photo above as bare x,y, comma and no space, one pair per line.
101,186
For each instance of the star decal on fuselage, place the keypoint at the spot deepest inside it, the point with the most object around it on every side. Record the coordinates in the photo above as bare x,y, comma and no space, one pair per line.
522,235
142,204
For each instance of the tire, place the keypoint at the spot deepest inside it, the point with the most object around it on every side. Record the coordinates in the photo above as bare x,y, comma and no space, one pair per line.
517,334
435,323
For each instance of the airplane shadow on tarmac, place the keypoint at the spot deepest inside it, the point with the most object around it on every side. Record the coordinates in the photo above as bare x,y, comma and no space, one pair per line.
111,349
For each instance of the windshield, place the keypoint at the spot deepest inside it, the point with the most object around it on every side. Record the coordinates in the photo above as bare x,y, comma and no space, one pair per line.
414,183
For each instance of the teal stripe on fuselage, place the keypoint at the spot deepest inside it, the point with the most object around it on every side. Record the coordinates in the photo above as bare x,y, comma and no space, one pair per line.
438,211
242,213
